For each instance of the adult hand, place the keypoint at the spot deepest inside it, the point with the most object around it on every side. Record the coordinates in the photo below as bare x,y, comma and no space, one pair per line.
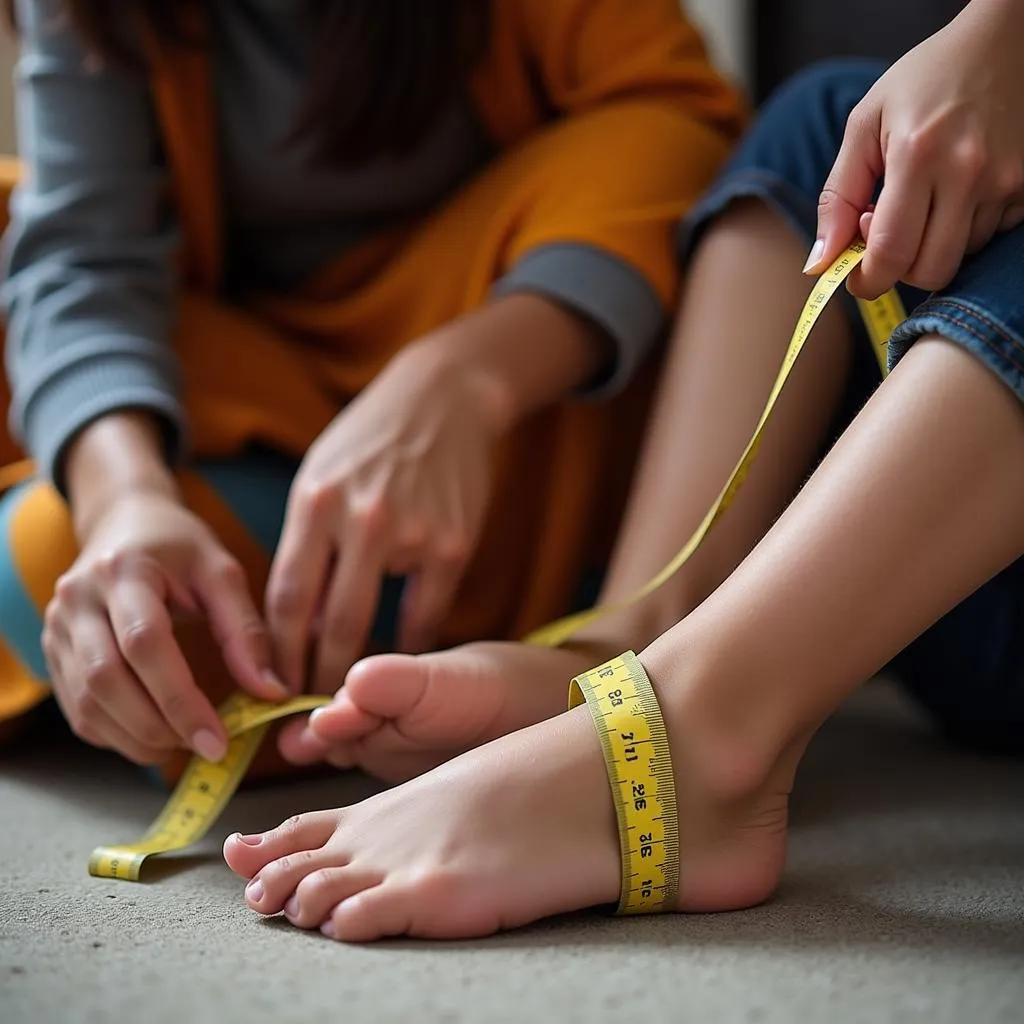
397,484
117,670
944,126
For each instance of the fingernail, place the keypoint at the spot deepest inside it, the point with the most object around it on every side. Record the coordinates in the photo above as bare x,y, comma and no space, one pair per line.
271,679
328,929
249,840
254,891
315,714
291,908
817,251
209,746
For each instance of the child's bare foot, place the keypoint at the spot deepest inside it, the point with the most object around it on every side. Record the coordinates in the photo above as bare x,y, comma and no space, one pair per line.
399,715
520,829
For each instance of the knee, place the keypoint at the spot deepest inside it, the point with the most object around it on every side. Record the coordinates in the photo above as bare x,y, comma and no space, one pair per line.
823,95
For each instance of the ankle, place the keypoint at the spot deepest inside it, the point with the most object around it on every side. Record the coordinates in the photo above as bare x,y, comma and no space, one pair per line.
721,734
633,628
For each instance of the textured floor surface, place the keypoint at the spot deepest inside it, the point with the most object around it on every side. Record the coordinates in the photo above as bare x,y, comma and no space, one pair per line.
903,901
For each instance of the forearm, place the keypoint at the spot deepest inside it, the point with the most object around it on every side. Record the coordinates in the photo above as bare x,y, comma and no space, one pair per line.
89,292
116,455
919,503
520,352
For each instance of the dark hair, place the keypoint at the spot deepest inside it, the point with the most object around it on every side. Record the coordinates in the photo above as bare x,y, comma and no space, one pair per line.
383,71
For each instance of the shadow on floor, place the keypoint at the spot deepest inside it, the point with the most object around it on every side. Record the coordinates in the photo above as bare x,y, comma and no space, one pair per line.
897,841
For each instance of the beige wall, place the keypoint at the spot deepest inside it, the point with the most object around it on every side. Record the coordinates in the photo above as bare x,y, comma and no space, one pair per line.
725,24
722,20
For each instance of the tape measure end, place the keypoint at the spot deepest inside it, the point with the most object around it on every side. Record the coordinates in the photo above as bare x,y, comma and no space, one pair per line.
119,865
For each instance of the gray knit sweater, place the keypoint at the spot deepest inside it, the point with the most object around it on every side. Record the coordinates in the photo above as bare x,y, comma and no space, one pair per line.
90,274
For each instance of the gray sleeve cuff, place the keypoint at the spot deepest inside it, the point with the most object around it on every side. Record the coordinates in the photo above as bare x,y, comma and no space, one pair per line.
122,374
602,287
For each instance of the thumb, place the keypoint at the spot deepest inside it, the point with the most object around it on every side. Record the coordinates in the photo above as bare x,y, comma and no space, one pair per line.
223,591
849,189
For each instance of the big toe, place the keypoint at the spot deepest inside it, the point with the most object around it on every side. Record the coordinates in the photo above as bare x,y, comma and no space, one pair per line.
387,685
447,697
247,855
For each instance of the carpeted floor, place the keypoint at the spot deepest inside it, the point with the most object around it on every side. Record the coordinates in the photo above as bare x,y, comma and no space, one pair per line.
903,901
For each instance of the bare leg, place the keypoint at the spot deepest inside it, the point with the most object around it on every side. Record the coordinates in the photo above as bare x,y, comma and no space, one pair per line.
919,503
399,715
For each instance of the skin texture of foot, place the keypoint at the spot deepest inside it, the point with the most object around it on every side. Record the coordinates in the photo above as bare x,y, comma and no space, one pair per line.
511,832
398,715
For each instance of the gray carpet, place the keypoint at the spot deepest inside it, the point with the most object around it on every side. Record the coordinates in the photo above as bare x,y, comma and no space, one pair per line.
903,901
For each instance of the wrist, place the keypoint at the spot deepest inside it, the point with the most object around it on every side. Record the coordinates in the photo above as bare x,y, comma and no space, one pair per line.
440,363
115,457
514,356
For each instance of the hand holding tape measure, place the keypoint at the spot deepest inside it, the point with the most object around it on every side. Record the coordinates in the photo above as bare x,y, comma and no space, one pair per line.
619,695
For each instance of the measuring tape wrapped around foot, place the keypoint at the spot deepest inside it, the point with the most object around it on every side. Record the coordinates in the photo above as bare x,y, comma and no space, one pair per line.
205,788
636,754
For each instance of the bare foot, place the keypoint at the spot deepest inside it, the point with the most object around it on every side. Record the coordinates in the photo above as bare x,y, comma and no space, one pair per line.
399,715
514,831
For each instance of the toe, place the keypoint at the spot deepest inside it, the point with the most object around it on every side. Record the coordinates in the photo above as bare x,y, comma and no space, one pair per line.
447,699
246,855
388,685
299,745
369,915
394,907
322,890
388,755
342,721
276,884
343,755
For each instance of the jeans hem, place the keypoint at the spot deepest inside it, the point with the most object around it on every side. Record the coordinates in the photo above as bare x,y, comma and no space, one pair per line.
971,327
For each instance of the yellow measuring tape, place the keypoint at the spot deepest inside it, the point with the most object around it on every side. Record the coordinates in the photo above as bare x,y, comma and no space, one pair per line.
647,815
203,790
636,754
622,702
880,317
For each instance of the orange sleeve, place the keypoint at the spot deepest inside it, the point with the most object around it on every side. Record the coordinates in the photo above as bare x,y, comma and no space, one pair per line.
642,123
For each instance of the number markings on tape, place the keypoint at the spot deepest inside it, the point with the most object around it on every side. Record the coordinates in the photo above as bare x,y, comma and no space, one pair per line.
636,753
647,818
203,790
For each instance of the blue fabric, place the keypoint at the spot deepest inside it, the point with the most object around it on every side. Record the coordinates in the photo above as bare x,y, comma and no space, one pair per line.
255,487
20,624
968,669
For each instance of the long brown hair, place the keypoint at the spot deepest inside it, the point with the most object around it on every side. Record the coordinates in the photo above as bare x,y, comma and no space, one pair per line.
383,71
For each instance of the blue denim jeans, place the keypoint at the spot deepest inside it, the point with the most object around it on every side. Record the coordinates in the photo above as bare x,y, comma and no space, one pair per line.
968,669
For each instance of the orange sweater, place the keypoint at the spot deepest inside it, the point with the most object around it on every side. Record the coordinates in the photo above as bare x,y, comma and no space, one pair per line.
610,123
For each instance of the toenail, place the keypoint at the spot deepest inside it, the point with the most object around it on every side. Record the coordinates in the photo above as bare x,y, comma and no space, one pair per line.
249,840
291,908
254,891
328,929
